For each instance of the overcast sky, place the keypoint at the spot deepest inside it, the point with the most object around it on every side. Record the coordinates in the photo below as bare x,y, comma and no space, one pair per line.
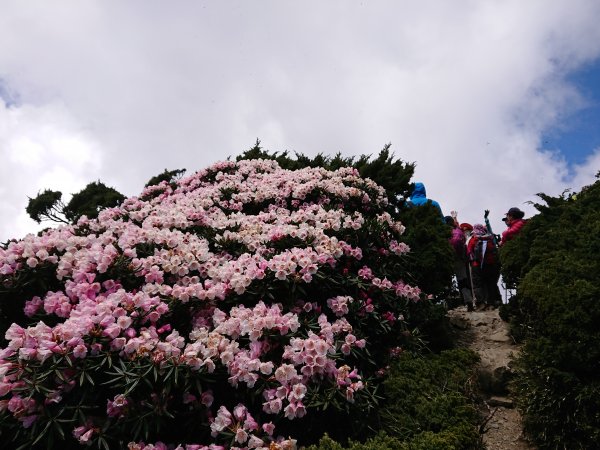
468,90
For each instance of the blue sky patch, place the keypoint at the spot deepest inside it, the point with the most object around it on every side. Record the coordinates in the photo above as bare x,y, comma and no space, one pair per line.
578,135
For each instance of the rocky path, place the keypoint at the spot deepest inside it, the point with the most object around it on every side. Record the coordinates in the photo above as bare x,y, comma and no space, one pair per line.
487,334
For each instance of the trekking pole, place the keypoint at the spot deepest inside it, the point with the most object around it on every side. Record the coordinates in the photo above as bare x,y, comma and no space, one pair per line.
474,300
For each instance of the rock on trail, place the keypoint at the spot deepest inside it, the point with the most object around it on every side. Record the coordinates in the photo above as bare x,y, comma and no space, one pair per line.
488,335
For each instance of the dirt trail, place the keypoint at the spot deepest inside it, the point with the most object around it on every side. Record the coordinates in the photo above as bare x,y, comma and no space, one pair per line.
485,333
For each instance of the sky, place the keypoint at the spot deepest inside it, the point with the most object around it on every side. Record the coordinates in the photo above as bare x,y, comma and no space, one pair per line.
494,101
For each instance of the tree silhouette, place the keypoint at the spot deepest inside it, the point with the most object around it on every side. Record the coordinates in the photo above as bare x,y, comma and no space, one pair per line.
47,205
95,197
170,176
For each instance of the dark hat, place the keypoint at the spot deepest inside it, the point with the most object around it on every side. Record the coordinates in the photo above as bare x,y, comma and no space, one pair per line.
449,220
514,212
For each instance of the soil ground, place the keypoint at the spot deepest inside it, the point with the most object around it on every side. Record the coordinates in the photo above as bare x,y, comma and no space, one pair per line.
488,335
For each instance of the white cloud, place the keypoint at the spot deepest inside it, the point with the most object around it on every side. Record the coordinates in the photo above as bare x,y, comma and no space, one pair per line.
465,89
585,173
40,147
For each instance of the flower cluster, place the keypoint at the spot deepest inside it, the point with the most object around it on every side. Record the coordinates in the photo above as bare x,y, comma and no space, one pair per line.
243,279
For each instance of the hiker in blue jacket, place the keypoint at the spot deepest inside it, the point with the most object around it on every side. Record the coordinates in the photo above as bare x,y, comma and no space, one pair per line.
419,197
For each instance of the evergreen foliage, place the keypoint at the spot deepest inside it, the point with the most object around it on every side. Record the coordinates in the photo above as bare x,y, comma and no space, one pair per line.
47,205
92,199
556,267
170,176
428,406
95,197
431,256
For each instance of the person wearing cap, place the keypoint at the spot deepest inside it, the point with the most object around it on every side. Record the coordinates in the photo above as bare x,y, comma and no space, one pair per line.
466,228
515,222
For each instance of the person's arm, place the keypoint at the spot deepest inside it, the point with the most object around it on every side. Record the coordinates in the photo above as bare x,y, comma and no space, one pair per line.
486,213
454,216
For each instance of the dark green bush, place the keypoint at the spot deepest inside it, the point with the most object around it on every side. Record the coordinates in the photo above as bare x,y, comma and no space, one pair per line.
380,442
556,264
431,257
428,405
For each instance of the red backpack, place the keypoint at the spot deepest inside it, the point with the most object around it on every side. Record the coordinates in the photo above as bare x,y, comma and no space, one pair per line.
485,251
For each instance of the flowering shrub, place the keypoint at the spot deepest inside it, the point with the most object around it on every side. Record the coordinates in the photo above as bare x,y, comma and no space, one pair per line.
223,311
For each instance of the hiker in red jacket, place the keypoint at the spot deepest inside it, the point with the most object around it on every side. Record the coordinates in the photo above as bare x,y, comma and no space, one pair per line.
485,268
515,222
458,243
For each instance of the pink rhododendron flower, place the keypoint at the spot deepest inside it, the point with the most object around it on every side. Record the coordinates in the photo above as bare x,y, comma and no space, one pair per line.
243,274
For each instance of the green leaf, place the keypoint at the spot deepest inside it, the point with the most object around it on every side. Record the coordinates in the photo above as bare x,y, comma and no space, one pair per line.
131,387
59,375
58,428
102,441
42,434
